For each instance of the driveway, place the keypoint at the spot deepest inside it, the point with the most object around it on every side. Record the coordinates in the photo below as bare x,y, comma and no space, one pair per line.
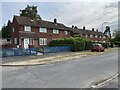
81,73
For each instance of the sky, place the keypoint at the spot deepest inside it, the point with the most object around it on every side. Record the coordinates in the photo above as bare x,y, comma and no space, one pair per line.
88,14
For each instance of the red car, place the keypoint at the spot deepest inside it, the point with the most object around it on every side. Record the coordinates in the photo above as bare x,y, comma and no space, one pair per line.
97,47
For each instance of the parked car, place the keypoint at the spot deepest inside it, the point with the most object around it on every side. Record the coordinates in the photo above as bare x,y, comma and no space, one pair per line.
97,47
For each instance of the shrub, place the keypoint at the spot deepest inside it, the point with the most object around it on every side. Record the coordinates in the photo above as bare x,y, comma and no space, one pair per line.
77,43
111,44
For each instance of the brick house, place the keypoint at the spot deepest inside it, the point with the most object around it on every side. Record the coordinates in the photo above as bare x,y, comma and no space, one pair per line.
91,34
26,32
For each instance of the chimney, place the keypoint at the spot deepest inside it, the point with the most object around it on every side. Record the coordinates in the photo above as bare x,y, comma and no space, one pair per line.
72,26
84,28
92,29
76,27
55,20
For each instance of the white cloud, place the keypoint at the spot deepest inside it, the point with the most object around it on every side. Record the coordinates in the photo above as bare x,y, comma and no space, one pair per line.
89,14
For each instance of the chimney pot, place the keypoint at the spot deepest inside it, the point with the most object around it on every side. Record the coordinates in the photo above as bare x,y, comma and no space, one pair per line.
92,29
55,20
84,28
72,26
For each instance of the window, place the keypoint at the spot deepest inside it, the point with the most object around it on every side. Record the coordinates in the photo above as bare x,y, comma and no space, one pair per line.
31,41
86,35
96,36
66,32
15,41
43,30
43,41
55,31
13,30
91,36
100,36
104,36
19,41
27,28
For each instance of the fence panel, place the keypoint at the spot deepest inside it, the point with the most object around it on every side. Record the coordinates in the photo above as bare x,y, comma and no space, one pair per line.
55,49
18,52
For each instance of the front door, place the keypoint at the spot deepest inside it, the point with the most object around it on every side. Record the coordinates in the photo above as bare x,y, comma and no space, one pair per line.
26,43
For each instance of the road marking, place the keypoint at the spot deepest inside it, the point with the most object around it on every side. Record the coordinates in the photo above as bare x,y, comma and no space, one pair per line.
101,84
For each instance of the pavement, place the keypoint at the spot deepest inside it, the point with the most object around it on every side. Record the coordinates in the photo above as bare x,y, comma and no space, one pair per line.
50,58
78,73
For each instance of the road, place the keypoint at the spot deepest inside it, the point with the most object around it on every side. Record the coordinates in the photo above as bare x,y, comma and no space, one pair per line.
79,73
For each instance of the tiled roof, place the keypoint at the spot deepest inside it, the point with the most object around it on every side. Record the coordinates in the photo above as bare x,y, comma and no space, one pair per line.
47,24
81,31
40,23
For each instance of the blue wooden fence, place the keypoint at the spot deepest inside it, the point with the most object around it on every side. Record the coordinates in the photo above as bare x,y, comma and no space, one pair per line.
18,52
55,49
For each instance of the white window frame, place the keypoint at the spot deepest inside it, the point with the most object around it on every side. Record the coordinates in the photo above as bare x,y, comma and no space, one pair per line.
19,41
27,28
13,29
96,36
55,31
100,36
42,41
15,40
104,36
91,36
31,39
66,32
43,30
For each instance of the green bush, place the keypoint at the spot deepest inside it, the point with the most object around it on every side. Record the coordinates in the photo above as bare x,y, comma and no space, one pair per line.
111,44
117,43
76,43
88,45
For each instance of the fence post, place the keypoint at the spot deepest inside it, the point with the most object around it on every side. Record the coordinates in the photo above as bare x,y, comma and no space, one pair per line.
36,51
43,50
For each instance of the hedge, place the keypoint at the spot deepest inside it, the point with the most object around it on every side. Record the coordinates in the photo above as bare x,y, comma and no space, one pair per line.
76,43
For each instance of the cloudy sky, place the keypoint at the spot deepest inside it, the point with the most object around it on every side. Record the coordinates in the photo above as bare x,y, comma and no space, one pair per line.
88,14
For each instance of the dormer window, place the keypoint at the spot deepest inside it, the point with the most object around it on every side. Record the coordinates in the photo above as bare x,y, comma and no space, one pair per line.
27,28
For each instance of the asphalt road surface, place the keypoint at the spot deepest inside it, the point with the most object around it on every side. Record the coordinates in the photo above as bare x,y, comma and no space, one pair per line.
79,73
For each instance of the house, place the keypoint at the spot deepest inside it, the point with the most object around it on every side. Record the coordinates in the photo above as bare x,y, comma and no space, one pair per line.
26,32
91,34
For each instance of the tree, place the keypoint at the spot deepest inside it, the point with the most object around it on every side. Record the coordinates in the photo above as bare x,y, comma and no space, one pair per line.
6,30
107,31
116,39
117,35
31,12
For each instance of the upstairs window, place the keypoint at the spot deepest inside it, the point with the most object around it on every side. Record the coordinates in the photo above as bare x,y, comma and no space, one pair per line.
43,30
66,32
96,36
100,36
91,36
27,28
55,31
